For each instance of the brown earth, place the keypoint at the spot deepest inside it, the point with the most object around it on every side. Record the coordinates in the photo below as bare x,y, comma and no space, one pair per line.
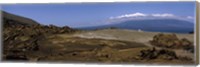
42,43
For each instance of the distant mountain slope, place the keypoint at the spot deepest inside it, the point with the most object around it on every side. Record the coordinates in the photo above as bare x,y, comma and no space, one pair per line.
11,19
155,25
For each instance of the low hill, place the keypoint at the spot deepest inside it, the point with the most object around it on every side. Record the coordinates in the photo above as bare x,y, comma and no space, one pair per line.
11,19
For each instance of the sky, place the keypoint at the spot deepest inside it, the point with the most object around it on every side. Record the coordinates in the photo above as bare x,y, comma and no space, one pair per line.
94,14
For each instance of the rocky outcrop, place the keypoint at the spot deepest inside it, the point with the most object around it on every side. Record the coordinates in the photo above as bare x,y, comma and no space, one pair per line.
172,41
157,54
162,54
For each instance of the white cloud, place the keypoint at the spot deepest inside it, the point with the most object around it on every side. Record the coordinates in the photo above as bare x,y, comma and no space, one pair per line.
138,14
189,17
135,14
163,15
142,16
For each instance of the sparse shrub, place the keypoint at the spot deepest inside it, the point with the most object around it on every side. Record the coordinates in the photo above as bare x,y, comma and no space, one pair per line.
191,32
112,28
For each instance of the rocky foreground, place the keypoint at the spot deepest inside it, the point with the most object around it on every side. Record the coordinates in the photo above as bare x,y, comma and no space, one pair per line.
19,40
34,42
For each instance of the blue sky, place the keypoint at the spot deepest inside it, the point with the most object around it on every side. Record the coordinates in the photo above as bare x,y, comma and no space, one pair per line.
91,14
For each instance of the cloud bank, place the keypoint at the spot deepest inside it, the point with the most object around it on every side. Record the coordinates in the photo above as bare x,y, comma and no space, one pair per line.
138,14
141,16
190,17
130,15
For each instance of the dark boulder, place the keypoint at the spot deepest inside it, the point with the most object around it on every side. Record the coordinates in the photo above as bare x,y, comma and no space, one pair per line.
153,53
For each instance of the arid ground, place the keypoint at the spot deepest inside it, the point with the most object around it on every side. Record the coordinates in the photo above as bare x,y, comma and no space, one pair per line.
24,40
